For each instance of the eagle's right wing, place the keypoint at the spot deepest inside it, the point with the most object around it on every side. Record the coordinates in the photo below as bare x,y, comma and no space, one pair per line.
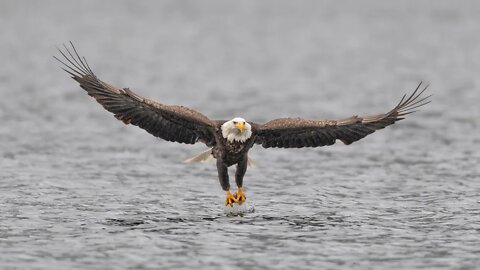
298,132
170,122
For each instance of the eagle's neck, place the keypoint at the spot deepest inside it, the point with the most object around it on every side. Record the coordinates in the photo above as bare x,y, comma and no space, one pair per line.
236,137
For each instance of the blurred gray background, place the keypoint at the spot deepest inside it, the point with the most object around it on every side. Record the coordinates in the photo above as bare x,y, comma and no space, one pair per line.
80,190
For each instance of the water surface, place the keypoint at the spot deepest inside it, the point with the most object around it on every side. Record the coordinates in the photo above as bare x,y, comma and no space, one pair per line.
80,190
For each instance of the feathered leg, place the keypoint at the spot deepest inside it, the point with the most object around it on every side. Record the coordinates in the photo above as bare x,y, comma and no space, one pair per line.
224,182
241,170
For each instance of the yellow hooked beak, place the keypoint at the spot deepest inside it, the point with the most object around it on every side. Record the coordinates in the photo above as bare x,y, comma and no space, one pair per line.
240,126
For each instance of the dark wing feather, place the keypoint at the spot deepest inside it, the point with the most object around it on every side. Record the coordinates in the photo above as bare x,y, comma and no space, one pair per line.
298,132
169,122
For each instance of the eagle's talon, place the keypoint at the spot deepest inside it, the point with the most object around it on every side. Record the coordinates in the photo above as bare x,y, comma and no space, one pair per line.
240,196
230,199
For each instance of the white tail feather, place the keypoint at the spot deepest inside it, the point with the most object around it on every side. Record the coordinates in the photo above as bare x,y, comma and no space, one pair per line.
201,158
207,156
251,163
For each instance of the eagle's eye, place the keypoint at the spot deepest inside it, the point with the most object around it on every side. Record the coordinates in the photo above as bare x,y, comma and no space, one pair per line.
234,122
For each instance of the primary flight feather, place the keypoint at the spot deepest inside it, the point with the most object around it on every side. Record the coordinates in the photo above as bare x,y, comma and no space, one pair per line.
230,140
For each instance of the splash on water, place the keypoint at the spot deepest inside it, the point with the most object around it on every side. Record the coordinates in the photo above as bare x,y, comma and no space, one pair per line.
237,209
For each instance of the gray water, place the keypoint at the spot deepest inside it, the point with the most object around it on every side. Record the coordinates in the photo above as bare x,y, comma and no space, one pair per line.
78,189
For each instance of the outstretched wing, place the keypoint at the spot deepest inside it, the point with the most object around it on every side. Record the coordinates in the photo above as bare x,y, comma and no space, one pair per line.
297,132
169,122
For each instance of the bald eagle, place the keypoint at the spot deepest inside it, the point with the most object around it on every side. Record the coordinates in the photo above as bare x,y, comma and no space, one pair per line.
228,141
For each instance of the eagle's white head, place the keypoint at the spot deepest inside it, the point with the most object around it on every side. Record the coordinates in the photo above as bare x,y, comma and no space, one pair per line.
236,129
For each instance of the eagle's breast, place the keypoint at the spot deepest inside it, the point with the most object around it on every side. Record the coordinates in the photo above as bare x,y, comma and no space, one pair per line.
235,147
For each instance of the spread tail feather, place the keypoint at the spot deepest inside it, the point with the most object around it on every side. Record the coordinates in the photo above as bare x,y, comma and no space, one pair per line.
201,158
207,156
251,163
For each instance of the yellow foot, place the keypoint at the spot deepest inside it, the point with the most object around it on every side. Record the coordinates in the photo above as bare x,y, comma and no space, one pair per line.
230,199
240,196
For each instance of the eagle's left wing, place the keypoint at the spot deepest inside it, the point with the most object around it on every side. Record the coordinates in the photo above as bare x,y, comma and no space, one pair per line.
298,132
169,122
